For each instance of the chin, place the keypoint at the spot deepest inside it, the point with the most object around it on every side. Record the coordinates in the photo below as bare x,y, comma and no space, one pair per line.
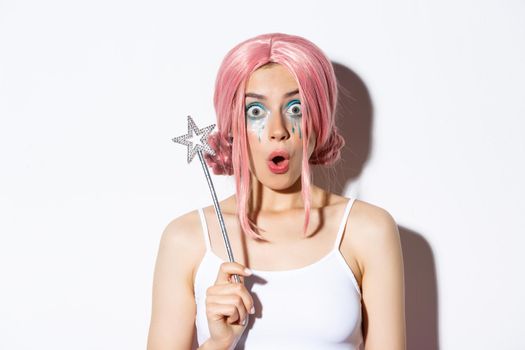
279,182
280,186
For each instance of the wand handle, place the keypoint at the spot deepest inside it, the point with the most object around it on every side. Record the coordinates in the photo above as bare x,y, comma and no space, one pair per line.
218,212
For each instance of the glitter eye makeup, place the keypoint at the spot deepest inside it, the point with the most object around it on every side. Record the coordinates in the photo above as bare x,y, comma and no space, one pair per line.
256,110
293,109
256,115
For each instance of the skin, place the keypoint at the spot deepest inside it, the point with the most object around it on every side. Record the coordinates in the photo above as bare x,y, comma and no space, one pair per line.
271,129
370,245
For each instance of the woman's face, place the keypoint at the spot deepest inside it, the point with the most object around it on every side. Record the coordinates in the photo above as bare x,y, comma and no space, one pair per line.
273,113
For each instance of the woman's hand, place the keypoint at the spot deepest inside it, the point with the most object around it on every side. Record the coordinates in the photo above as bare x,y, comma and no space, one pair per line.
227,305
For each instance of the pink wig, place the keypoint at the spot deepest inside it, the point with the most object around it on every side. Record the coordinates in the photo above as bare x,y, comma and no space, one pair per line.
318,94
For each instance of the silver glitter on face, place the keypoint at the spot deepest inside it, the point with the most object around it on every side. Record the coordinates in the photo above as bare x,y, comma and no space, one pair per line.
258,116
196,139
294,114
257,125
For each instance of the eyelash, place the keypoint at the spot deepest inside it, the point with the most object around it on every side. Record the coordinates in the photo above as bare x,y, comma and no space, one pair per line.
294,103
250,106
290,104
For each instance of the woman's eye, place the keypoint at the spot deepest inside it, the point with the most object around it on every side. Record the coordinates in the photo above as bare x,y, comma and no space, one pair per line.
294,109
255,112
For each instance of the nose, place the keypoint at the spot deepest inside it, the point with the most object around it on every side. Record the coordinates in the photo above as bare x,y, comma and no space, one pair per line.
277,130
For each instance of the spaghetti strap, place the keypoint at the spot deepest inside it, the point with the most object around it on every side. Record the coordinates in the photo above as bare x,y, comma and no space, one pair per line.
343,223
205,229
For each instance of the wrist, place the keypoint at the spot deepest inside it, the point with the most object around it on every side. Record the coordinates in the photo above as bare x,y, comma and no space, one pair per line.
211,344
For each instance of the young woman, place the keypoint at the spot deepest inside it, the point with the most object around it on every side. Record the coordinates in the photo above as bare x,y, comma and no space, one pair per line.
318,270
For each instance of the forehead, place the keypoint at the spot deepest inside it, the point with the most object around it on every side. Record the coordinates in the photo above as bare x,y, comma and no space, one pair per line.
271,80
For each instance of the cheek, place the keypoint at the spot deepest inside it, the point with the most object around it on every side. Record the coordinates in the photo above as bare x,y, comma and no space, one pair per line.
256,127
294,124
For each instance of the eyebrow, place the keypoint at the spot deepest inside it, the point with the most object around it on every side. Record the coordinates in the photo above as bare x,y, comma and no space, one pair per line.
262,97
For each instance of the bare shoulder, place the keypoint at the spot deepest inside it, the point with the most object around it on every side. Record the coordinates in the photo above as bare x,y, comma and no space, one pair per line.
183,227
173,306
372,218
377,244
373,230
183,240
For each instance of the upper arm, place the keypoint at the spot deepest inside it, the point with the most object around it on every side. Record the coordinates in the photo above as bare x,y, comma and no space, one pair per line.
173,302
382,283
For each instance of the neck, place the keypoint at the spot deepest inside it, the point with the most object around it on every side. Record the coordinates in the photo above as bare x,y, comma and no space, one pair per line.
265,199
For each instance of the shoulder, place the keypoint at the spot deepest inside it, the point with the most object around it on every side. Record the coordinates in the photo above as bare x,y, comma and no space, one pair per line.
173,300
377,221
182,225
377,244
182,230
366,221
374,231
182,240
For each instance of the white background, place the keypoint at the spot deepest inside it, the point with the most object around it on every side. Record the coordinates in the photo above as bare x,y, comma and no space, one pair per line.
92,92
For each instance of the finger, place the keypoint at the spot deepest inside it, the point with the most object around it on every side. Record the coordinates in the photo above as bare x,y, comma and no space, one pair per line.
214,293
228,269
216,312
241,313
230,299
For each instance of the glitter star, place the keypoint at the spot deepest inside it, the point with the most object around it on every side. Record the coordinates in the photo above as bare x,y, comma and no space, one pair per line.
196,139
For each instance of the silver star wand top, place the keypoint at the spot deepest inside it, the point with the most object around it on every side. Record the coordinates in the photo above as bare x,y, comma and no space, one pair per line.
197,142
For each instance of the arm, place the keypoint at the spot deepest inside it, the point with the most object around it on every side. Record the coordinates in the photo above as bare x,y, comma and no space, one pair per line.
383,284
173,309
173,302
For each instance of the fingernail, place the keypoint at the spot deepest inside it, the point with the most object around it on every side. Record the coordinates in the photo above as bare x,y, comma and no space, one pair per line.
252,311
248,271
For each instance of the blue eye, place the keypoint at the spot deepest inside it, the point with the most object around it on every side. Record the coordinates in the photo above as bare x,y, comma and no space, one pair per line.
294,109
255,111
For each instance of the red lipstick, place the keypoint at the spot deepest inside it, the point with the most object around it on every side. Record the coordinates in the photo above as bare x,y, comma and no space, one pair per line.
278,161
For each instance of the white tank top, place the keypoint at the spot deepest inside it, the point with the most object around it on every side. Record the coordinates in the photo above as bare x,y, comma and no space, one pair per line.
317,306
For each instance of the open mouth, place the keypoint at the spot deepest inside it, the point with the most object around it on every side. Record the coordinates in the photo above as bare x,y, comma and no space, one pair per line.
278,162
278,159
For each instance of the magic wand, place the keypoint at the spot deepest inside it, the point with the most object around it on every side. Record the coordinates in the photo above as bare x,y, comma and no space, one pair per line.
197,142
